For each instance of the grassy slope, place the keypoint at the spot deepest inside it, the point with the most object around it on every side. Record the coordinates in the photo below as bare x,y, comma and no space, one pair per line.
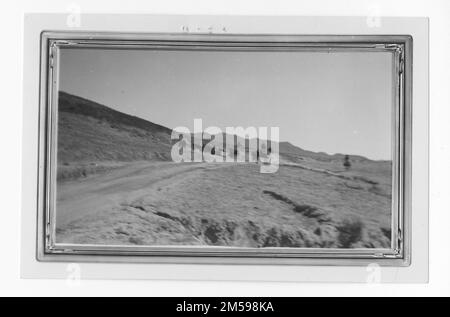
93,138
311,201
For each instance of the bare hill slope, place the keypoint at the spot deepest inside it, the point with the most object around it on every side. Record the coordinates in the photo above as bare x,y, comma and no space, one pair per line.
89,132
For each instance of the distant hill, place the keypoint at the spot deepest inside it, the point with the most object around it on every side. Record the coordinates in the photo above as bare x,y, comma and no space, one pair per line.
291,151
90,132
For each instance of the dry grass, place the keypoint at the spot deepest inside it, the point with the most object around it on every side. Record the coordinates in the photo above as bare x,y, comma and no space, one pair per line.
217,204
350,232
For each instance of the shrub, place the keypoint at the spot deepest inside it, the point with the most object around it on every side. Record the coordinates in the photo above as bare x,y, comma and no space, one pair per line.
350,232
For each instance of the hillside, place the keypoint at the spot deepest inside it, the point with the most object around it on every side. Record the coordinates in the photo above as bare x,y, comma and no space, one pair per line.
136,195
94,138
89,133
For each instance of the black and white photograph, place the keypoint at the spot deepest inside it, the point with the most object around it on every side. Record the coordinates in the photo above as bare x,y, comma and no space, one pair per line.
225,156
233,148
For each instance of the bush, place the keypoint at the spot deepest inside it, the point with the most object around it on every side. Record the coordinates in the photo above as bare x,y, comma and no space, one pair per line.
350,232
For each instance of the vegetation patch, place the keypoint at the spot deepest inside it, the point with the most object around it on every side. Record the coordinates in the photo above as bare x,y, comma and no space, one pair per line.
350,232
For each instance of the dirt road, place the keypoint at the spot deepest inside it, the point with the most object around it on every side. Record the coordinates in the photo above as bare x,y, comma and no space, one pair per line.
81,198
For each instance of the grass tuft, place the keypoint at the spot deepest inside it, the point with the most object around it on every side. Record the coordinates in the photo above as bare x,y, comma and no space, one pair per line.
350,232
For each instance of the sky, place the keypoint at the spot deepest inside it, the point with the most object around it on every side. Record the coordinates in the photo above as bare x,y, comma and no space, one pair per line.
334,102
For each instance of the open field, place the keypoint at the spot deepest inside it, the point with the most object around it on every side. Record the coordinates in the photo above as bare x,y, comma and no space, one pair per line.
222,204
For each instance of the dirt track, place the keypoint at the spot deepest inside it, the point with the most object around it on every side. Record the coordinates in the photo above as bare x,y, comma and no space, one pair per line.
77,199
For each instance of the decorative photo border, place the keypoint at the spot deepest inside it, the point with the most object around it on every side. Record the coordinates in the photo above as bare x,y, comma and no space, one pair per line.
399,253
